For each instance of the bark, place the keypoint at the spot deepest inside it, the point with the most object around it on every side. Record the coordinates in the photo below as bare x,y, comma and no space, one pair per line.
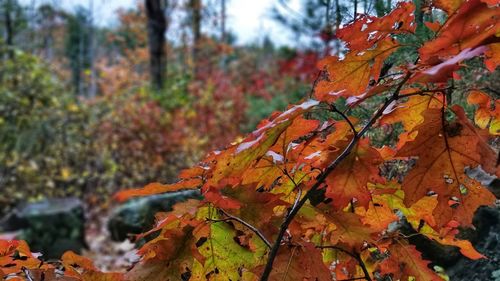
157,25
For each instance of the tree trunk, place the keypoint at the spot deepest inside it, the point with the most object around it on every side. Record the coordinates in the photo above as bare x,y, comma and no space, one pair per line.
9,28
223,35
355,9
157,25
195,7
92,90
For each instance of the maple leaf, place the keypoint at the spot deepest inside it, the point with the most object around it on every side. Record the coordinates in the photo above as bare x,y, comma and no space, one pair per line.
444,150
473,23
368,30
349,180
351,75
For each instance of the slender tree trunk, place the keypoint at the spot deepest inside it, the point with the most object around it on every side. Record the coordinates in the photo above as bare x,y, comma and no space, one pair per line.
93,83
355,9
223,21
9,26
195,7
223,34
338,16
338,22
157,25
329,25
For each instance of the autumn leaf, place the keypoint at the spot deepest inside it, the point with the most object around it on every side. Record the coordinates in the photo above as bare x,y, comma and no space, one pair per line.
368,30
168,257
485,116
440,72
275,163
351,75
449,6
444,149
157,188
473,23
405,262
409,113
236,159
492,56
344,229
83,269
349,180
420,216
224,257
301,262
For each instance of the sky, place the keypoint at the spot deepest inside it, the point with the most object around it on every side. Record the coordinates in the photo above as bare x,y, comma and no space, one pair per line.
248,19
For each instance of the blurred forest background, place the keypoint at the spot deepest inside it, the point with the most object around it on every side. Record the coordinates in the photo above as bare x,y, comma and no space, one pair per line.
86,110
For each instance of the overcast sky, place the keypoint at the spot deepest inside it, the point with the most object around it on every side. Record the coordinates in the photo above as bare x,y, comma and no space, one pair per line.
249,19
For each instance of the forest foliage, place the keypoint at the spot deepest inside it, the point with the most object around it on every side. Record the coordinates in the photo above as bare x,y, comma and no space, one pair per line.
302,196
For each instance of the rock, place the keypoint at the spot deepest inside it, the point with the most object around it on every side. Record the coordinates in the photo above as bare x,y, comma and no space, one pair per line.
51,226
490,181
487,234
137,215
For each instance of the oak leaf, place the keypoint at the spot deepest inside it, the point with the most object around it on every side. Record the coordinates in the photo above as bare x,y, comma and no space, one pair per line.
444,149
351,75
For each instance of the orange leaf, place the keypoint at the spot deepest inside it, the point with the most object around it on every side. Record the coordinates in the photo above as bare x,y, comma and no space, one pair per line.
351,75
469,27
349,180
157,188
367,30
444,150
405,262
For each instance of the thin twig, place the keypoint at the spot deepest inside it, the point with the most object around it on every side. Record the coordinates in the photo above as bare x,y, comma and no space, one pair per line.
335,109
246,224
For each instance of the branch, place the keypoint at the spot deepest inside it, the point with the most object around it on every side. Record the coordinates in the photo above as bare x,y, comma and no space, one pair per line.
322,177
335,109
246,224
